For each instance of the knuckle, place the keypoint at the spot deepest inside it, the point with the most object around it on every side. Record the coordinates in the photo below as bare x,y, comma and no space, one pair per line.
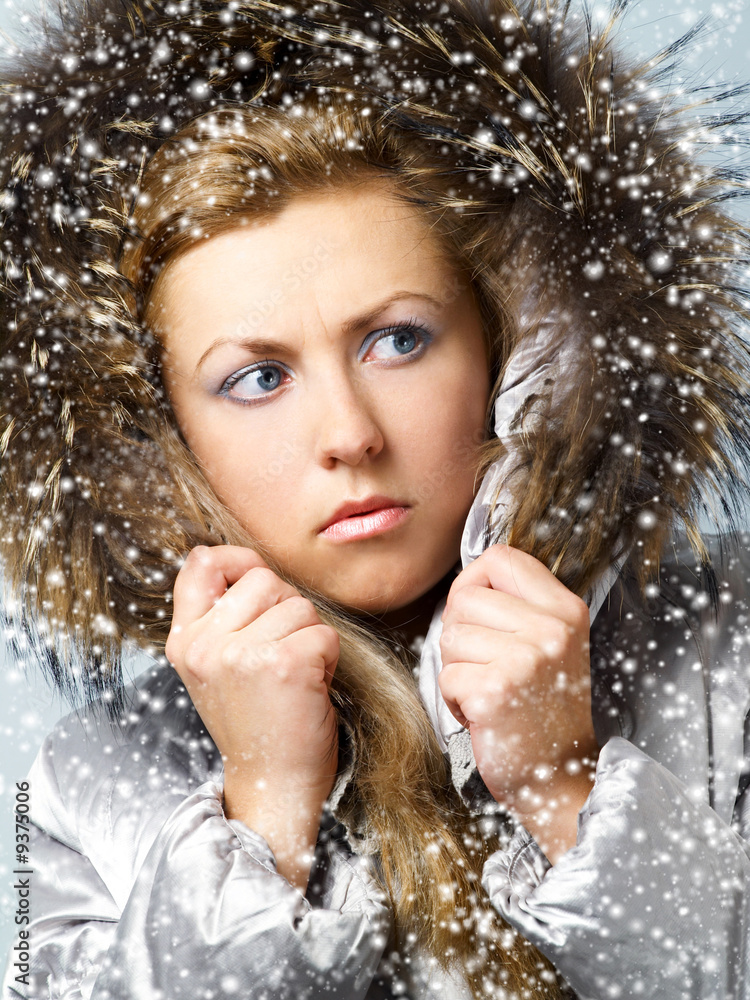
257,573
463,598
580,616
329,637
448,677
498,551
445,680
505,695
265,654
556,639
303,607
171,648
231,657
477,705
199,555
240,658
529,660
553,651
196,559
266,579
193,656
279,662
491,691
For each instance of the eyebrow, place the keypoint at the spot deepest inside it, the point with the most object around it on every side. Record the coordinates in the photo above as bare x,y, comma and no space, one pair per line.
264,345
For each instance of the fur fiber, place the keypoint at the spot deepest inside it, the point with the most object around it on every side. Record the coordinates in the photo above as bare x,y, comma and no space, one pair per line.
584,170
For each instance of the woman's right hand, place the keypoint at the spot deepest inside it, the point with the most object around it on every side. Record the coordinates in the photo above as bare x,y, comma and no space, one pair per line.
257,663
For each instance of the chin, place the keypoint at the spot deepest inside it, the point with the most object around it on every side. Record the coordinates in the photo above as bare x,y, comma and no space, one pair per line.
363,588
368,600
373,604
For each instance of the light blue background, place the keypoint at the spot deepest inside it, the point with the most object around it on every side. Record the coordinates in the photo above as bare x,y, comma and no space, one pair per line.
27,708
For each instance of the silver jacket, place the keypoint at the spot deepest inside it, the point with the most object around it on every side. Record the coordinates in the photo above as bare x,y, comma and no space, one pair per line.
143,890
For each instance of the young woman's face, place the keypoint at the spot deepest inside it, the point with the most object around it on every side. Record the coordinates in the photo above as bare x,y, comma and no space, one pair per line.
376,382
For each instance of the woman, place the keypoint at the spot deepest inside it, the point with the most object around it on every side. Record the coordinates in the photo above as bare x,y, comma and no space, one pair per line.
295,273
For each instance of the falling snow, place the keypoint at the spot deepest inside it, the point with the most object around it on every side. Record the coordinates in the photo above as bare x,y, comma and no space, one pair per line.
615,252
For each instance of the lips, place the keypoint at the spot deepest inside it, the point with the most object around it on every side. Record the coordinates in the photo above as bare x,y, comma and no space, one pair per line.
359,527
351,508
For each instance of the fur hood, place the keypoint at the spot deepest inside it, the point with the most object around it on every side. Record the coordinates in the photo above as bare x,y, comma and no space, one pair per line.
600,227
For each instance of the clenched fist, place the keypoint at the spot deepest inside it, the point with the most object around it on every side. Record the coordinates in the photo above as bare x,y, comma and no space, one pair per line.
257,663
515,652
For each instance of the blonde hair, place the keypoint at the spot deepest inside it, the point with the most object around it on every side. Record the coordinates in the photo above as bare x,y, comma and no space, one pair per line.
250,162
526,177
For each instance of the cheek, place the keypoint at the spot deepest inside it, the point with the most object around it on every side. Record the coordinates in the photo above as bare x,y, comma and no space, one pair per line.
450,406
439,438
248,472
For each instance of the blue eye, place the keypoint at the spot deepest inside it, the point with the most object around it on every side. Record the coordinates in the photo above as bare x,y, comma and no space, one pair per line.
405,337
261,376
266,376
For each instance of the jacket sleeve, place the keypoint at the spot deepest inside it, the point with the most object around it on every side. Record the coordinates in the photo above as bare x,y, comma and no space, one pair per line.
652,900
207,916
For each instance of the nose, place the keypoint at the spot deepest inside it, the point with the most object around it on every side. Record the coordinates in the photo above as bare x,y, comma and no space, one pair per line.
346,428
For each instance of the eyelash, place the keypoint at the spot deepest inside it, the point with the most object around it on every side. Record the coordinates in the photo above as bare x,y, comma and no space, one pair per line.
412,326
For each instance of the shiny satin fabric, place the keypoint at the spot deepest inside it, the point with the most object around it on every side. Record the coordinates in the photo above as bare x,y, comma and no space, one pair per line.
142,889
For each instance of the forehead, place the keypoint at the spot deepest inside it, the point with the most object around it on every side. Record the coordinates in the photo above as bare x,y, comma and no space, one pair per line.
331,248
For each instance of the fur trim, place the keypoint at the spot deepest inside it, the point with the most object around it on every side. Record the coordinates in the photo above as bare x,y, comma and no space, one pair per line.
589,191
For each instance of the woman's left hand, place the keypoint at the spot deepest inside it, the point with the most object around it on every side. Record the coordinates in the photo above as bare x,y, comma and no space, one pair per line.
515,652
